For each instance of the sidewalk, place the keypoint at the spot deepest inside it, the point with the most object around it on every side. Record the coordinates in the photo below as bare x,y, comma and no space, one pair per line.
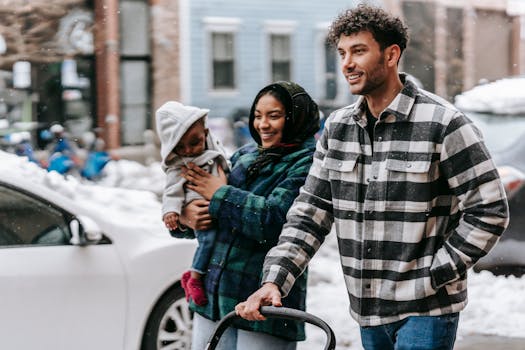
489,342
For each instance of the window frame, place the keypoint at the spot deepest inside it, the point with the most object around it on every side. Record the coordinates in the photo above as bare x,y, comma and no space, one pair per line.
342,97
280,61
131,52
221,25
279,28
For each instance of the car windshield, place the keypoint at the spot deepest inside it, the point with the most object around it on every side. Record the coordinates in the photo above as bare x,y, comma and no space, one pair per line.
500,131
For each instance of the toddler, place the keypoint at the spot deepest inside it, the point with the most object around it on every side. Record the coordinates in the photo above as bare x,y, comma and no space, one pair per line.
185,138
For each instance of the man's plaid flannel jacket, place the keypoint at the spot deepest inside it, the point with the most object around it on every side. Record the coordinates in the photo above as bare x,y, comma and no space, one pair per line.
411,217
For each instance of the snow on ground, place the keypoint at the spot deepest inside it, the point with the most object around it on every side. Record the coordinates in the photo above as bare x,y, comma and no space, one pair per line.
495,306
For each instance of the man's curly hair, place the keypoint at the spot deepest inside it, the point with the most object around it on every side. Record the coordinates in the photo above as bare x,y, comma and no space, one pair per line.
386,29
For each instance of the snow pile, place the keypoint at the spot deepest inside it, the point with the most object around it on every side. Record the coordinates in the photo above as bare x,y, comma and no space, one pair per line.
133,175
125,195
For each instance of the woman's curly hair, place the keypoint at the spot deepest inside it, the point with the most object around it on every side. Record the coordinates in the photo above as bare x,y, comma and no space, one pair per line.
386,29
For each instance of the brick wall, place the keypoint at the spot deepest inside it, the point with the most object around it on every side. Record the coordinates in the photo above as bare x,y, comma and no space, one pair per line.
165,52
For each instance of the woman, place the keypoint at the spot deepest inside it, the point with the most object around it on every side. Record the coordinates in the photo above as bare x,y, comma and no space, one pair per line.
249,211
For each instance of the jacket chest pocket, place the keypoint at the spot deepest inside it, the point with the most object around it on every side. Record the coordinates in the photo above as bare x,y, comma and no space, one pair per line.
409,185
344,181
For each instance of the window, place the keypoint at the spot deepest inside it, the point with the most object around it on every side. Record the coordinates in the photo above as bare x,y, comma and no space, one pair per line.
330,71
221,33
419,59
223,64
280,56
279,49
134,71
25,220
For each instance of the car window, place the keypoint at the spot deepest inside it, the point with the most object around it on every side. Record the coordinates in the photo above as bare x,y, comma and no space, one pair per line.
26,220
499,131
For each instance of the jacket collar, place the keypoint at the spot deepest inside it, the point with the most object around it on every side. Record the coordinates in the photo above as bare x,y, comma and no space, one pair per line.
400,107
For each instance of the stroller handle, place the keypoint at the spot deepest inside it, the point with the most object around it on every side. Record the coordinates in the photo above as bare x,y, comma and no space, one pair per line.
274,312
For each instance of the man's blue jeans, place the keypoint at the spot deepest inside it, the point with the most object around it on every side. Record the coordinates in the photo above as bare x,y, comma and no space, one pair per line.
413,333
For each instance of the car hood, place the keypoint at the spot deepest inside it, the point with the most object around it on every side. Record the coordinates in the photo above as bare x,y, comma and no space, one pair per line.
504,96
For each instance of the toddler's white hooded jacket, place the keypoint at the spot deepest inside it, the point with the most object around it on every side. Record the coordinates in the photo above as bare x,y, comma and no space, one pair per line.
173,119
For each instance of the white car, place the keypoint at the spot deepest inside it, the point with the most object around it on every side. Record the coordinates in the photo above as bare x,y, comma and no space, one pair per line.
498,109
75,274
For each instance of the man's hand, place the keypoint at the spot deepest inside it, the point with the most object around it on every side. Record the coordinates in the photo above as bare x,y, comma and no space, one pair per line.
195,215
268,294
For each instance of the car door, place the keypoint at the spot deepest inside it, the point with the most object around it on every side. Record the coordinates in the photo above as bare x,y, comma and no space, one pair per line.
55,295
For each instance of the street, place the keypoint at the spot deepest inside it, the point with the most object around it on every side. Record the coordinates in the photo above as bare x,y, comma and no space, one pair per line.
482,342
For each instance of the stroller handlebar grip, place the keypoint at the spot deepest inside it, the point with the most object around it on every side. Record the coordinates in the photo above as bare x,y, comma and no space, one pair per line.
274,312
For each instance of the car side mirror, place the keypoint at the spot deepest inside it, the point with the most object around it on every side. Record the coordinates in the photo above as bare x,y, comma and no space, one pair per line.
84,231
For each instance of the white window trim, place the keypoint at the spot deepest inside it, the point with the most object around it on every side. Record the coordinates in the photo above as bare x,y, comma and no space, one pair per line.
279,27
221,25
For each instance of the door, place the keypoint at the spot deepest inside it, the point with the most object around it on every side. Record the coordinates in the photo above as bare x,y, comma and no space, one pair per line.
54,295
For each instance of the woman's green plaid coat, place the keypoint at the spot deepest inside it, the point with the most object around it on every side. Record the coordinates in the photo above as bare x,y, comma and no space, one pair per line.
249,219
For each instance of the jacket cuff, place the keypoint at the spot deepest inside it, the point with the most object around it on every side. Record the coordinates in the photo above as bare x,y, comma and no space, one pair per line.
216,200
442,275
279,276
183,233
443,270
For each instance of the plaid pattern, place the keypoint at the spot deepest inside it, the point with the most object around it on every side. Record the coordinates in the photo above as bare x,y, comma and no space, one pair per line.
410,218
249,221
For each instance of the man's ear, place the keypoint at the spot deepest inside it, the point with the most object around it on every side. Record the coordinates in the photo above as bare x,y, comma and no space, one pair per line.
392,54
206,131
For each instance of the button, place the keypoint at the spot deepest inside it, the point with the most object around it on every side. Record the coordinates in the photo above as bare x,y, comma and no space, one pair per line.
379,138
375,177
367,179
340,164
409,165
368,286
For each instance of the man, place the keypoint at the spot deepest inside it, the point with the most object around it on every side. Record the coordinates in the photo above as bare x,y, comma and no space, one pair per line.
411,190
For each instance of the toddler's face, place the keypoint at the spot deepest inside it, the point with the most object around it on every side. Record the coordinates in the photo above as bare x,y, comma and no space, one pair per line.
193,142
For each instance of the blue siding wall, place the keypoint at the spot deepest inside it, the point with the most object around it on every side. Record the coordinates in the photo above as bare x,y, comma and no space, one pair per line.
251,53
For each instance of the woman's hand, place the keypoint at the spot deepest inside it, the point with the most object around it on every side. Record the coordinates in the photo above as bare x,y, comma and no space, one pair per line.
195,215
203,182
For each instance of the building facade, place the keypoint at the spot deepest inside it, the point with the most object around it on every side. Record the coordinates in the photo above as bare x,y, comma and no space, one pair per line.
108,65
456,44
231,49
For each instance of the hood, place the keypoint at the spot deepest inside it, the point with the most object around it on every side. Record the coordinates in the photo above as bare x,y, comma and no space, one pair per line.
302,113
173,119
